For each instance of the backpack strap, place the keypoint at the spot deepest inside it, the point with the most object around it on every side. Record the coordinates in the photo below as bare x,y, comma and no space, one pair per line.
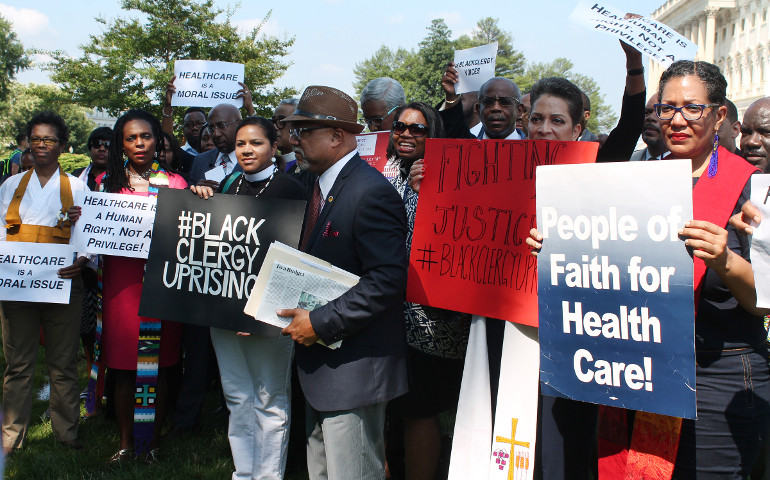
233,177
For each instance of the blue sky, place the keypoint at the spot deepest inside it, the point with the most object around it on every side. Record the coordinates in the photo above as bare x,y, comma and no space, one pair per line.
332,35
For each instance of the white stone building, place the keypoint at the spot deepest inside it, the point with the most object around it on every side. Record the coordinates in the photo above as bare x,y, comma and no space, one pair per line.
733,34
101,118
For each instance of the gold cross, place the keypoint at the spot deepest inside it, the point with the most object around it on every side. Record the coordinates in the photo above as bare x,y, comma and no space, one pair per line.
513,442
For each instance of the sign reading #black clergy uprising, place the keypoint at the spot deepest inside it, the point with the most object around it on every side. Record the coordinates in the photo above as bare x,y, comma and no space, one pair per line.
205,256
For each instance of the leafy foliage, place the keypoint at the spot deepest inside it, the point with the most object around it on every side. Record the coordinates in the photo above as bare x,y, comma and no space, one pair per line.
13,58
29,100
419,72
129,64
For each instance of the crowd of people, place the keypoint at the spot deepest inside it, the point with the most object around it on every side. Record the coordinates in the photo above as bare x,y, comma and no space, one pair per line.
400,363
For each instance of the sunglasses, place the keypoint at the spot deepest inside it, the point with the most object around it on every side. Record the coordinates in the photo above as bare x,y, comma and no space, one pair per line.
377,122
503,101
101,143
278,122
416,129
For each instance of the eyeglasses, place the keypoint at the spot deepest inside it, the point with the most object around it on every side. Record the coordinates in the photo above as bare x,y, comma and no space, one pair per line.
503,101
218,126
297,132
691,112
377,122
49,142
101,143
416,129
278,122
189,125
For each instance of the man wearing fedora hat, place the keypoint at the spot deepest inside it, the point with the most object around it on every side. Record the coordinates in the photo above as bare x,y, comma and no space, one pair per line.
357,222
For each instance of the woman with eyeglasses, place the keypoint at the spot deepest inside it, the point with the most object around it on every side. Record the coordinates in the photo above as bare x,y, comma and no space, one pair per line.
733,379
437,338
256,369
98,147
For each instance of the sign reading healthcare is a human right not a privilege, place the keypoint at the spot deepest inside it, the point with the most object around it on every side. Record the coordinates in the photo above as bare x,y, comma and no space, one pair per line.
477,205
615,285
205,83
114,224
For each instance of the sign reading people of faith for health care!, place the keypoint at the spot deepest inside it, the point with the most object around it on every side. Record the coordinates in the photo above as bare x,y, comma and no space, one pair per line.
656,40
760,239
206,254
477,205
29,272
474,67
114,224
373,148
615,285
204,83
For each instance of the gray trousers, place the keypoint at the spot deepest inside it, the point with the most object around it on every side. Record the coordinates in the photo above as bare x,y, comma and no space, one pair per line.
21,336
347,444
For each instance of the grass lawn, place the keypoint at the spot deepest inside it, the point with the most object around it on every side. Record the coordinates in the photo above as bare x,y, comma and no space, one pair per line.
204,454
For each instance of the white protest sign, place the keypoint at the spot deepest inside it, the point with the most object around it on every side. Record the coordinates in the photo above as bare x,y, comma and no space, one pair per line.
216,174
114,224
366,144
474,67
760,240
203,83
656,40
28,272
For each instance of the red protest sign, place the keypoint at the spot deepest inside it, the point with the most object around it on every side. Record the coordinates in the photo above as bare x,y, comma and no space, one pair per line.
475,210
373,148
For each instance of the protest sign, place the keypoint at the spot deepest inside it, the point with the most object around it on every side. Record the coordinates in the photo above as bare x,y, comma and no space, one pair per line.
28,272
205,256
615,285
477,205
760,239
114,224
474,67
204,83
373,148
650,37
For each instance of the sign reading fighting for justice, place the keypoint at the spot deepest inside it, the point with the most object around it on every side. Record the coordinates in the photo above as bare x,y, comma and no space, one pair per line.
615,285
29,272
114,224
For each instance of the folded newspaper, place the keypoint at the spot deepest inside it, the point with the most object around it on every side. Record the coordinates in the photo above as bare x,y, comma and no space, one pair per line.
293,279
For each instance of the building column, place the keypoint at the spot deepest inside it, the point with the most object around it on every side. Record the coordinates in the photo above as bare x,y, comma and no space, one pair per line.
702,38
710,41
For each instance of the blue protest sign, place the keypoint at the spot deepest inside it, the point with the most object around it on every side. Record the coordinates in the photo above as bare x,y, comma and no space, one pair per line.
615,285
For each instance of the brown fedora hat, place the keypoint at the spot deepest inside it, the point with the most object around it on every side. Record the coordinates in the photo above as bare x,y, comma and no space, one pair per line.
327,106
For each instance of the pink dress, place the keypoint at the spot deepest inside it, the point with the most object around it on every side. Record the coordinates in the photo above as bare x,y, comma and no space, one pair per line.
122,279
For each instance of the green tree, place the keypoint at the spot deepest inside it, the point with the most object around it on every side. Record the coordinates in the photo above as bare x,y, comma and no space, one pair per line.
418,72
13,58
510,62
29,100
602,117
129,64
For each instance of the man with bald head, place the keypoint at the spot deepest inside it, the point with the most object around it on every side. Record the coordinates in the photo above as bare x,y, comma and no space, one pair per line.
755,134
498,109
222,122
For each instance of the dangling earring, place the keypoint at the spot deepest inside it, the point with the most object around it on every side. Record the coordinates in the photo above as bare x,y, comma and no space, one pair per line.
713,163
125,160
273,160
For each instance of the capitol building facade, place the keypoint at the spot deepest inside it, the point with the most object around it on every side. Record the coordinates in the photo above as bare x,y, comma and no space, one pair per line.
733,34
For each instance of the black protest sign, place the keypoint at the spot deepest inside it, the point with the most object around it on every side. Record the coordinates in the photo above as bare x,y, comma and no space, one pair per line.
205,256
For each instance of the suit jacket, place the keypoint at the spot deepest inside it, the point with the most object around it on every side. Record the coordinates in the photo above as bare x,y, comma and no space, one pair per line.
455,126
588,136
362,229
205,162
638,155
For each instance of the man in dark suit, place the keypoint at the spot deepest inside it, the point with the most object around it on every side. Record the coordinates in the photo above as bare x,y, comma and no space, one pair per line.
357,222
222,122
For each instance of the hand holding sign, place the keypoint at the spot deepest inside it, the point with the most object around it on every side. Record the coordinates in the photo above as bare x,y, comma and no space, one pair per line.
474,66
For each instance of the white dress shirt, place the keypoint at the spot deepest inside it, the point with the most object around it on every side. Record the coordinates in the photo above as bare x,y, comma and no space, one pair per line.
189,149
327,179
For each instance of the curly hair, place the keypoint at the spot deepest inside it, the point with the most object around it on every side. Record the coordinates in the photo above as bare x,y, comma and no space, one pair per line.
435,130
116,178
560,88
53,119
708,73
